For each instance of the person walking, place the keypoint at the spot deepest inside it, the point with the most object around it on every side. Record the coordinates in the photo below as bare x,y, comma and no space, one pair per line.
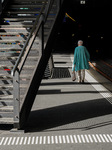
81,61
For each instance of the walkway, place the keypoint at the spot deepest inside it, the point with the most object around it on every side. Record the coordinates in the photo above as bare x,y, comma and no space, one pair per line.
67,115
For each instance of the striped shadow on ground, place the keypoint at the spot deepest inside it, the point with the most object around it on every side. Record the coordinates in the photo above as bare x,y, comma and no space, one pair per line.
57,139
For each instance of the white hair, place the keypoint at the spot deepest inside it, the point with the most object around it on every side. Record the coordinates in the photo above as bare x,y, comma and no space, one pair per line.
80,42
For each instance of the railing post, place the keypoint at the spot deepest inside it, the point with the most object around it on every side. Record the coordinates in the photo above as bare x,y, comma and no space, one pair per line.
0,6
16,94
41,39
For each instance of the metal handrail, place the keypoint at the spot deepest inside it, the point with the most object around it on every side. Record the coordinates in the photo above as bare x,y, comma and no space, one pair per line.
37,24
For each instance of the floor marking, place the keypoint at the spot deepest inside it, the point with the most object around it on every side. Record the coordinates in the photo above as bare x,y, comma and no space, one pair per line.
13,141
78,136
75,139
82,137
98,138
5,141
63,137
94,138
17,140
90,138
102,138
67,137
33,139
71,139
106,138
100,88
48,139
29,139
25,140
44,140
109,137
37,140
57,139
52,139
40,140
86,137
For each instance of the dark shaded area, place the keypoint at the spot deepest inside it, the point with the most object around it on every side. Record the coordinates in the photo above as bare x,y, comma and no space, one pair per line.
6,127
93,26
46,119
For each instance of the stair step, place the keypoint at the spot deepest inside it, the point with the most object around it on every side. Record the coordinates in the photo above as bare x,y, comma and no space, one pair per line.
13,34
6,103
16,26
26,6
25,18
6,120
39,1
6,115
6,97
6,108
22,12
8,30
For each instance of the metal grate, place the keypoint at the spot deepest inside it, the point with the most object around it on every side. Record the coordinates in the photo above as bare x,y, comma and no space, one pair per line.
61,73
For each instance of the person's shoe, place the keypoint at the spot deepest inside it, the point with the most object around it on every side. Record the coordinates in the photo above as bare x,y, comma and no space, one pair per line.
79,81
82,81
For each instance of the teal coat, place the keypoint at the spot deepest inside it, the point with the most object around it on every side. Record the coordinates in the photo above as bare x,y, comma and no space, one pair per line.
81,58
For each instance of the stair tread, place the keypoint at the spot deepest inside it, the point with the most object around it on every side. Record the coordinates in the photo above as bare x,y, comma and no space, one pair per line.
6,120
6,97
6,108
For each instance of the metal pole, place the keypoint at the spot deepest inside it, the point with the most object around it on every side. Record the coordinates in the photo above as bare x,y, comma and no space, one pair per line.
16,90
41,39
0,6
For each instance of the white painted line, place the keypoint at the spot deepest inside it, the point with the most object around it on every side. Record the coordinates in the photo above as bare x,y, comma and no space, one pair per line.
106,138
109,137
29,139
17,141
13,141
98,138
21,140
9,142
78,136
94,138
52,139
75,138
40,142
48,139
2,141
102,138
91,140
83,140
67,138
56,139
25,140
44,140
71,139
87,139
5,141
64,140
37,139
60,140
33,140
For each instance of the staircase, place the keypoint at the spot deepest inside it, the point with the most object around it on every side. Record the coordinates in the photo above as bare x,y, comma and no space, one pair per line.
21,49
